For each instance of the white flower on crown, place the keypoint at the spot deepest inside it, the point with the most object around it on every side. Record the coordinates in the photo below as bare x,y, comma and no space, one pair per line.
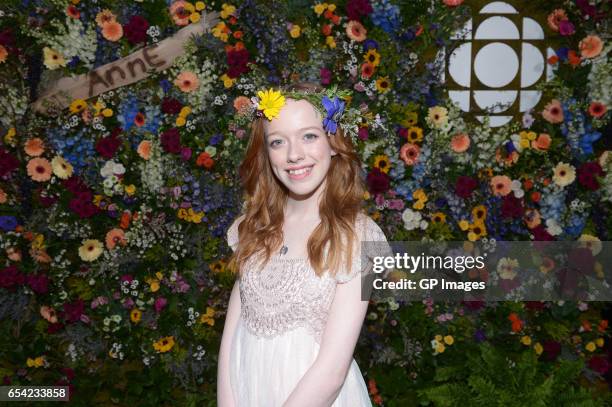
112,168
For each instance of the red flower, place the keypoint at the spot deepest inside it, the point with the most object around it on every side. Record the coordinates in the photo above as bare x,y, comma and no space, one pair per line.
511,207
378,181
10,277
171,141
599,364
171,105
597,109
136,30
551,349
108,146
465,186
587,175
355,9
73,311
237,60
8,163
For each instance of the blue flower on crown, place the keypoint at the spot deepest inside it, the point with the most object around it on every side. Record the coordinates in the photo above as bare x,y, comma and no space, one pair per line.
334,110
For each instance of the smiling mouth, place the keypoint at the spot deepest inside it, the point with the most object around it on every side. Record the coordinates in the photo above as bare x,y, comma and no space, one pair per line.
301,173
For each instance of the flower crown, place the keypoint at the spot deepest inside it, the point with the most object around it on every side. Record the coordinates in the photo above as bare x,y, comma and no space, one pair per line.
330,103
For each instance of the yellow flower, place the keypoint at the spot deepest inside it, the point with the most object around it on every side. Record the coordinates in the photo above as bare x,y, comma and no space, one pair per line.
599,342
107,112
227,81
135,315
372,57
77,106
440,348
449,340
90,250
185,111
130,189
479,213
438,338
438,217
366,195
295,31
420,197
329,41
464,225
194,17
331,7
220,31
382,163
37,362
319,8
477,230
270,102
180,121
437,116
208,317
9,137
61,168
182,213
164,344
217,266
591,346
200,5
383,84
227,10
411,119
153,284
538,348
415,134
526,340
53,59
590,242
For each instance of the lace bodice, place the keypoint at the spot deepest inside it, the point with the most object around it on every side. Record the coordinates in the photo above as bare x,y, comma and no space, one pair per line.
287,294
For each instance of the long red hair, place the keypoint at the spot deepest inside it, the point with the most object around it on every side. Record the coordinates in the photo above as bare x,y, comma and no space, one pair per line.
260,232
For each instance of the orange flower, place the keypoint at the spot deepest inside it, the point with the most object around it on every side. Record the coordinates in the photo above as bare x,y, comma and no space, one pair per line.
356,31
517,324
590,46
555,18
573,58
112,31
13,253
542,143
139,120
3,54
409,153
144,149
40,255
39,169
113,237
532,218
73,12
501,185
460,142
535,196
326,29
48,313
34,147
603,325
367,70
241,104
597,109
179,12
204,160
187,81
125,220
553,60
105,16
553,113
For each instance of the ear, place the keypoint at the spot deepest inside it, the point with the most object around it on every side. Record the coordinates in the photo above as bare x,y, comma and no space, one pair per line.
333,152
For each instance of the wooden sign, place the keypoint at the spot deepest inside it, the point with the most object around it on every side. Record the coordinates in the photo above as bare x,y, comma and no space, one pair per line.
134,67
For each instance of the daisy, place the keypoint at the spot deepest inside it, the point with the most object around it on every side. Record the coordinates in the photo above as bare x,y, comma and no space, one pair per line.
591,46
553,113
438,116
53,59
383,85
34,147
113,237
270,103
112,31
187,81
564,174
382,163
356,31
597,109
39,169
90,250
164,344
415,134
105,16
409,153
372,57
77,106
61,168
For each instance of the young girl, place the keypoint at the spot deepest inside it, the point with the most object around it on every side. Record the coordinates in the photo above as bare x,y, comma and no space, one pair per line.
295,312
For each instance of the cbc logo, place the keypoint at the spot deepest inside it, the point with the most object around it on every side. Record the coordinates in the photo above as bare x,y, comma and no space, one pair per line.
494,63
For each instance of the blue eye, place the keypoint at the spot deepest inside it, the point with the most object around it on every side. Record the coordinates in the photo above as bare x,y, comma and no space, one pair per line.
272,143
314,136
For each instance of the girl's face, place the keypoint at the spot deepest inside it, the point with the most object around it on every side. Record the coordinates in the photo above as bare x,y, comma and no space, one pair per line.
298,148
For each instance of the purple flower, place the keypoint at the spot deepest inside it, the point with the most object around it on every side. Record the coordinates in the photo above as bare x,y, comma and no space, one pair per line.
10,277
326,76
527,119
160,303
8,223
566,27
479,336
39,283
171,141
334,110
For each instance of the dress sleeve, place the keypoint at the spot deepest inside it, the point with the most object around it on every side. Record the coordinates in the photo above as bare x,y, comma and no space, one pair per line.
232,233
368,232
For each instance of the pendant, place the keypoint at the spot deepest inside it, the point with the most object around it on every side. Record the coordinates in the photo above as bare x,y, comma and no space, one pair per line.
283,250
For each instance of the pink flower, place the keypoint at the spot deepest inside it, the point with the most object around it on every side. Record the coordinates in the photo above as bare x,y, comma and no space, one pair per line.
409,153
452,3
356,31
160,303
566,28
555,18
460,143
187,81
501,185
553,113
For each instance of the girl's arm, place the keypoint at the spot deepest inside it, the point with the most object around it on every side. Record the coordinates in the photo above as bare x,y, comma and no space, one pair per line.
322,382
225,398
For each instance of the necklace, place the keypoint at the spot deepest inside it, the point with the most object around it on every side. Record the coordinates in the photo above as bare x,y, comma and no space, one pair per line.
283,250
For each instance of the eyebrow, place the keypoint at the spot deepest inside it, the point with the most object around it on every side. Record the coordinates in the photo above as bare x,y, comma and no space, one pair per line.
302,129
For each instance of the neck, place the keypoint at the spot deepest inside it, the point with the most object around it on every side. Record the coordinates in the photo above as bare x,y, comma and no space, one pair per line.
304,206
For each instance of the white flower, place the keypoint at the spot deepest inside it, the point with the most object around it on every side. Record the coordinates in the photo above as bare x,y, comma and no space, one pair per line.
112,168
553,227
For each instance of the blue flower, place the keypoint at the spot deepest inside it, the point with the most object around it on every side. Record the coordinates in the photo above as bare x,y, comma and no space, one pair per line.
562,53
334,110
369,44
587,140
8,223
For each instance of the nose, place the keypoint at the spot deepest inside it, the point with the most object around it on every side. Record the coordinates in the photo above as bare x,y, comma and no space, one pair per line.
295,153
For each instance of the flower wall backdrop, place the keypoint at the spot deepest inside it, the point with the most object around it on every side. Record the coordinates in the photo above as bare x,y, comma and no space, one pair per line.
114,210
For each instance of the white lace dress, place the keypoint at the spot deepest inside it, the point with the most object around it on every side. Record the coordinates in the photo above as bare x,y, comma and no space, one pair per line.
283,315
